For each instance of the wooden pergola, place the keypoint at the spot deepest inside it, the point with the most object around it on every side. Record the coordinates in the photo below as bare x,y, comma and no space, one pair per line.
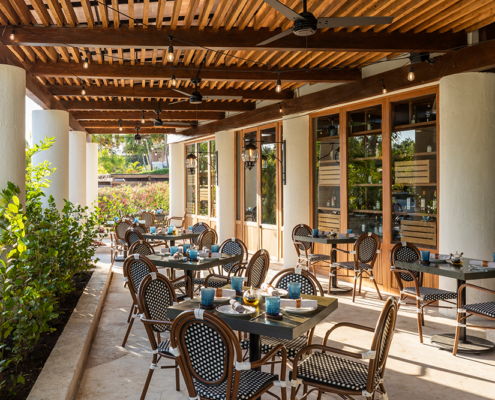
126,44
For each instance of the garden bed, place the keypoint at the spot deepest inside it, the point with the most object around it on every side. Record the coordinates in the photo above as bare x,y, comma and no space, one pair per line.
32,366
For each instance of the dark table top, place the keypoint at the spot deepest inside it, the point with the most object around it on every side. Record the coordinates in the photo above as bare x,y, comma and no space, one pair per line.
326,239
290,327
462,272
199,265
167,236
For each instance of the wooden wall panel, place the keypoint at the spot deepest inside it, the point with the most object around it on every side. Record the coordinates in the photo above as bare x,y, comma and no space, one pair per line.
269,241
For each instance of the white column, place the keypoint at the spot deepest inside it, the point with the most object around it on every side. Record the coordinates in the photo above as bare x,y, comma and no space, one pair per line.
296,190
12,127
225,145
467,185
176,180
91,175
54,123
77,167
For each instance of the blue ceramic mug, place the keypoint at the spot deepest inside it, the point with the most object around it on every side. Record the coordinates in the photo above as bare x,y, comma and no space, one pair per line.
272,305
190,228
173,250
236,283
294,290
170,229
425,255
152,229
193,254
215,248
349,231
207,296
315,232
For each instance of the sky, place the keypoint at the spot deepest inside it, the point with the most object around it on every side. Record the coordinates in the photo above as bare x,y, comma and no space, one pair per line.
30,107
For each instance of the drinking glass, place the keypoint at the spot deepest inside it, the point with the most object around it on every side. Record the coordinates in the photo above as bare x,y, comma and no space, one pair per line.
116,219
272,305
190,228
170,230
185,246
349,231
215,248
315,232
173,250
493,255
193,254
236,283
425,255
136,219
152,229
158,211
294,290
207,296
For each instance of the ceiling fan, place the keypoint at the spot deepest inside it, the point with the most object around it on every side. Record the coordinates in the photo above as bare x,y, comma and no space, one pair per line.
158,122
305,24
196,97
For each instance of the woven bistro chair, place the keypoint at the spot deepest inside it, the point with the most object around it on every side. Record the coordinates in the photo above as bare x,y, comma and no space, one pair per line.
210,359
199,227
160,219
181,219
154,297
484,310
139,227
304,250
141,247
326,373
207,238
309,285
132,236
120,230
148,217
232,246
366,249
424,296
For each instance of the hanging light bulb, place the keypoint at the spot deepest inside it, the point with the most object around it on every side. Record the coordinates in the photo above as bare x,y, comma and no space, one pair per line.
173,80
384,89
170,54
410,75
86,63
120,125
280,109
278,88
12,34
142,119
83,91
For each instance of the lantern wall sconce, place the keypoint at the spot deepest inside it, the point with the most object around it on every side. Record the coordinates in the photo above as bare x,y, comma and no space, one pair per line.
250,155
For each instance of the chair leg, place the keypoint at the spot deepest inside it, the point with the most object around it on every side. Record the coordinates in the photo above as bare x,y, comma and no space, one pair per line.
128,331
376,286
131,311
147,384
272,368
457,334
360,283
293,393
354,288
177,377
319,395
420,327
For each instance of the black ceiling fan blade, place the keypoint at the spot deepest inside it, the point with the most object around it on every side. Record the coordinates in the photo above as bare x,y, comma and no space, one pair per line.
276,37
342,22
176,102
181,92
284,10
156,120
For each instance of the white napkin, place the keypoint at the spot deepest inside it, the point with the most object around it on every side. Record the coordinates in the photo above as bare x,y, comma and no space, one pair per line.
345,235
481,263
270,290
439,256
293,303
225,293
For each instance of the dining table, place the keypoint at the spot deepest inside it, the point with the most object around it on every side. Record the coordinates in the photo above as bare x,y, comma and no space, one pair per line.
461,273
257,324
333,242
171,237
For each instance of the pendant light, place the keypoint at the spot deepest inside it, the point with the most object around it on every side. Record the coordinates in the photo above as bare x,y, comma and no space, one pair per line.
86,63
384,89
264,161
410,75
170,53
137,136
278,88
142,118
83,91
249,154
120,125
191,163
12,34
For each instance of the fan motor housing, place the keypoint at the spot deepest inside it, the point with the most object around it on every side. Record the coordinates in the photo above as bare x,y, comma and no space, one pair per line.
196,98
306,26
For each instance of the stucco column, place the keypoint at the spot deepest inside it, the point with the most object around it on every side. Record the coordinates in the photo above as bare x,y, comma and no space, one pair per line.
91,175
296,189
77,167
176,180
12,127
225,145
467,184
54,123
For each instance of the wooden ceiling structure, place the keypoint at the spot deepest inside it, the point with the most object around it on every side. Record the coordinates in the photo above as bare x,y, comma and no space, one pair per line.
127,44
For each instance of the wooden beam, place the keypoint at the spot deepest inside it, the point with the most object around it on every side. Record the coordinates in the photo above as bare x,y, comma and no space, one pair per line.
137,115
139,91
230,74
246,39
130,131
155,105
478,57
35,90
131,124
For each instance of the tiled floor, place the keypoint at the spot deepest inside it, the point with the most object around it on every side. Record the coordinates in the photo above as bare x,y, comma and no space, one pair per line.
414,371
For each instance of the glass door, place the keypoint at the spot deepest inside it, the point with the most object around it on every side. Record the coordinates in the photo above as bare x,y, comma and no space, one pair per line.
251,209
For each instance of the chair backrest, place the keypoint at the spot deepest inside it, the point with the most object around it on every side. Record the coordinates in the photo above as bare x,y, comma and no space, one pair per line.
366,248
257,268
199,227
208,349
406,252
135,268
382,339
207,238
121,229
148,217
155,295
302,230
139,227
309,284
133,235
141,247
233,246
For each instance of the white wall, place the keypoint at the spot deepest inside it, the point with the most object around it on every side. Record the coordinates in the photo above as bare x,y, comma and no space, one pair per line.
467,184
77,168
225,144
91,175
177,180
296,190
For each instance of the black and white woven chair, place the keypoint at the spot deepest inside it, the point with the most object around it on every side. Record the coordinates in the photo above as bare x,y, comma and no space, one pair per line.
464,311
199,227
211,363
139,227
154,297
366,249
207,238
120,244
132,236
148,218
232,246
309,285
141,247
326,373
424,296
304,250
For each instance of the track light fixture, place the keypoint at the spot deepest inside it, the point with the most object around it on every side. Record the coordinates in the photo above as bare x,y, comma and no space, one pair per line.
12,34
278,88
410,75
142,118
120,125
83,91
170,53
384,89
86,63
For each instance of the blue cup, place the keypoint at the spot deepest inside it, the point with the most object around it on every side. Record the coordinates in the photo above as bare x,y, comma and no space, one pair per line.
425,255
193,254
493,255
136,219
207,296
190,228
294,290
272,305
173,250
315,232
236,283
349,231
116,219
185,247
170,229
158,211
215,248
152,229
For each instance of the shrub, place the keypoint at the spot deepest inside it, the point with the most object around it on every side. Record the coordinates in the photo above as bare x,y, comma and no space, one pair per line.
132,199
156,171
